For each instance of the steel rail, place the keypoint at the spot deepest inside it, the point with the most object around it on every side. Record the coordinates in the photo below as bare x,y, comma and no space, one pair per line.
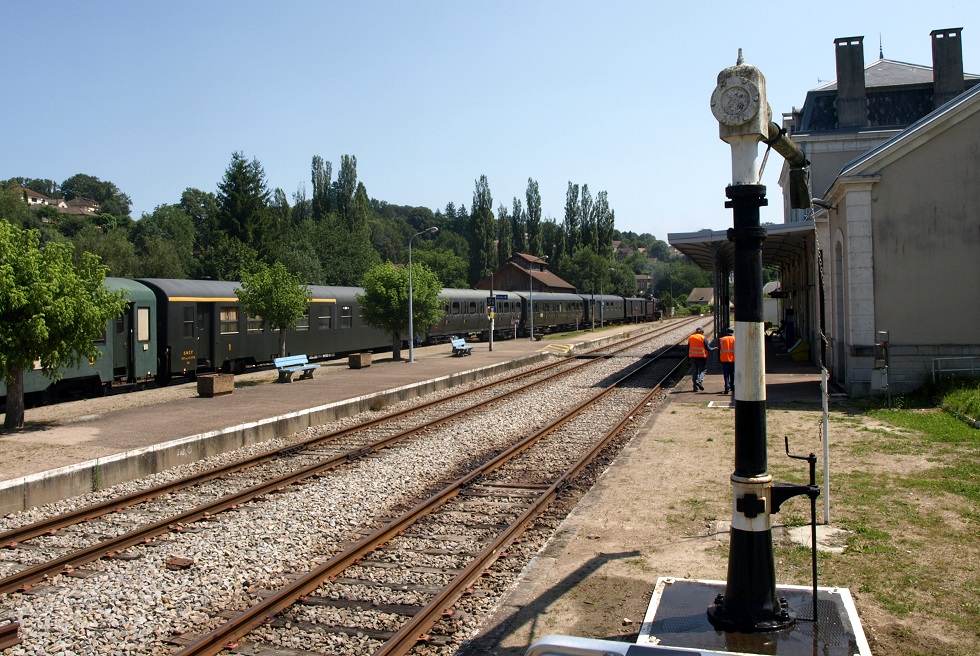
51,525
414,630
111,547
225,635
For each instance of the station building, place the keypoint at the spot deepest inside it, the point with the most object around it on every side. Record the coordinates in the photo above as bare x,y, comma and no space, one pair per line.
881,276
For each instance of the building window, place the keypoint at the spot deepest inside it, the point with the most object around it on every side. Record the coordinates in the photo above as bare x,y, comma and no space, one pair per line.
187,325
229,320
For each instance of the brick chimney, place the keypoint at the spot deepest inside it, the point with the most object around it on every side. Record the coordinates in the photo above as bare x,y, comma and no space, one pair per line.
852,96
947,65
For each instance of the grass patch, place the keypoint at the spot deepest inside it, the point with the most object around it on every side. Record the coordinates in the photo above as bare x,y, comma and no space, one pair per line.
911,501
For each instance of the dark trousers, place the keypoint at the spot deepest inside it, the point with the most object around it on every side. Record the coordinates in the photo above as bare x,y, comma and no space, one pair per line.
728,373
698,367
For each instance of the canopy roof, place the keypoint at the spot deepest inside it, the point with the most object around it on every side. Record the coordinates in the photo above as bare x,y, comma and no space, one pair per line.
783,244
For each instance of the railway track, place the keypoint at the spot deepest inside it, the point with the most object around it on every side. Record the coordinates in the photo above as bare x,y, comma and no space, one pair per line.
256,486
454,536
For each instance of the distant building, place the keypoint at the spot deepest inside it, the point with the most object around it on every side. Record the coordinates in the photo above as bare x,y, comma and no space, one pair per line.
644,284
703,296
77,206
524,272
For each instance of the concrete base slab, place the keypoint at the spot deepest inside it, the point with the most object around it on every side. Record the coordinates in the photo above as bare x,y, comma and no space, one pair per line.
677,617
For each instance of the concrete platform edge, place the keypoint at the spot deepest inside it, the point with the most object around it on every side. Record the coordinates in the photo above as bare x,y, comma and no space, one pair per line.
54,485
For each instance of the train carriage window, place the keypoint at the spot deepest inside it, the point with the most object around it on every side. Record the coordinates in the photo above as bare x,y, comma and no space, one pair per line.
471,308
254,323
101,339
303,323
229,320
187,325
120,325
346,317
142,324
456,308
325,320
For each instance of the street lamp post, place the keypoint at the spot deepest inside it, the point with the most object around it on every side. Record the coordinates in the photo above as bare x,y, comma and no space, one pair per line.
530,299
411,318
602,303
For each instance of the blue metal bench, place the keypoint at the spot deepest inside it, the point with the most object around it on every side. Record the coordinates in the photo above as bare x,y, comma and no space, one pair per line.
291,364
460,347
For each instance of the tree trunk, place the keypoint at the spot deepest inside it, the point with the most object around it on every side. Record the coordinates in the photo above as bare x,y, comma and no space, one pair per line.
396,349
15,399
282,343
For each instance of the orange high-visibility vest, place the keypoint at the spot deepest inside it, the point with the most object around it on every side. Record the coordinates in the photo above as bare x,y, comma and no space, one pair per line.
696,347
726,352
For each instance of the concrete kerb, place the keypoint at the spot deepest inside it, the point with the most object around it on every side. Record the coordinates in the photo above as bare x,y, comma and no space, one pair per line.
46,487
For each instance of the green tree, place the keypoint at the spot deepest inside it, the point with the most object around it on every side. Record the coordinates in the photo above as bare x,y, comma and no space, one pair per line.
505,242
165,234
482,232
573,219
384,304
587,271
13,209
346,188
276,295
112,247
49,188
243,201
298,253
622,280
106,194
533,198
518,227
226,258
605,222
588,226
448,266
321,173
53,309
203,208
344,256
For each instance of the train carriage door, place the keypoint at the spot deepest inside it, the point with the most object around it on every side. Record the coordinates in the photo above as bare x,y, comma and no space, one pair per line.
121,345
140,364
204,337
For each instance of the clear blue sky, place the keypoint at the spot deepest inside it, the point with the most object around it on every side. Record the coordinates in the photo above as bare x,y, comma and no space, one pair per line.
428,95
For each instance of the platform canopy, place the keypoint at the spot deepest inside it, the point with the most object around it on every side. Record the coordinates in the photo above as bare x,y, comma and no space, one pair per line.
783,244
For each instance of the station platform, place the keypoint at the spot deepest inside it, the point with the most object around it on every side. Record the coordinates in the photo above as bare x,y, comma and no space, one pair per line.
73,448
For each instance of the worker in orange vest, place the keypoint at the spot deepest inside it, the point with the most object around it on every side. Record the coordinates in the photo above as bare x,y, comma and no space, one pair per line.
726,353
697,353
